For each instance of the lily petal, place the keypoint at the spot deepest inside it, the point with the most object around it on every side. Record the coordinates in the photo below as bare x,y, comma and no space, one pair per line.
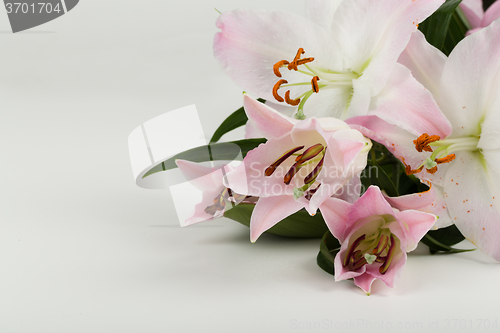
322,11
251,132
341,273
335,212
372,203
425,62
406,103
266,120
399,142
491,14
200,215
379,31
348,145
473,61
473,11
472,191
269,211
249,177
365,282
431,201
392,275
252,41
416,226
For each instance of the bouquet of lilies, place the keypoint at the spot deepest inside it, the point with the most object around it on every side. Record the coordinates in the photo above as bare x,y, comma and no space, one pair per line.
374,124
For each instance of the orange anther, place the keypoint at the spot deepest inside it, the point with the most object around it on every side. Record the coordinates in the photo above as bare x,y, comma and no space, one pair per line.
275,90
409,170
278,65
290,101
422,142
445,159
314,83
304,61
432,170
293,64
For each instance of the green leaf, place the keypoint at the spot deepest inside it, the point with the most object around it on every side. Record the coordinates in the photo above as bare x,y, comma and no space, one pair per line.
325,264
442,239
435,27
300,224
328,249
237,119
456,31
227,151
380,178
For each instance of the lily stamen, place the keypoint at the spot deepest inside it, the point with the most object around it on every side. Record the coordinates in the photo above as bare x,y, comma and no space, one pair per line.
276,88
310,153
293,170
441,154
356,255
308,195
351,249
314,174
390,255
314,83
358,264
270,169
278,65
220,201
408,170
297,61
332,80
445,159
423,141
309,156
290,101
382,244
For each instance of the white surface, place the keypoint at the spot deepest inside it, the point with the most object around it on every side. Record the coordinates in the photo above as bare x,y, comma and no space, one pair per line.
83,249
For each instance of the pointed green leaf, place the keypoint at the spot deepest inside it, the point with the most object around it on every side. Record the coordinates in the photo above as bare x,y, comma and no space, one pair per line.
442,239
380,178
300,224
435,27
325,264
456,31
328,249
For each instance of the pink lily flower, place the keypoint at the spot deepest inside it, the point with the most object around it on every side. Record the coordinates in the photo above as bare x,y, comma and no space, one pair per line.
374,237
477,17
216,198
465,163
301,165
338,61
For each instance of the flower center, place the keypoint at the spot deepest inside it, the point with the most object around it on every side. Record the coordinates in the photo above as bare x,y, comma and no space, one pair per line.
313,154
367,250
329,80
442,152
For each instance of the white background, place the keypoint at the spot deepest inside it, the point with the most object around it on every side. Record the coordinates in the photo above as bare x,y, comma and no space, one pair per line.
83,249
